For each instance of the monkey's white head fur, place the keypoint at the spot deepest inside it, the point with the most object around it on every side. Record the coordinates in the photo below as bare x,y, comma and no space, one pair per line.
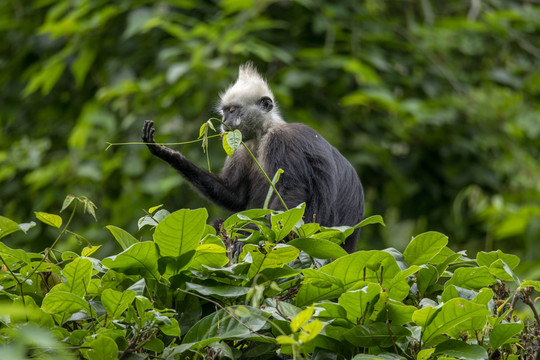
249,85
249,105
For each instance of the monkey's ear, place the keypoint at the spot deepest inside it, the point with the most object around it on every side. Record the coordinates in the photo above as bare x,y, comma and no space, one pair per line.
265,103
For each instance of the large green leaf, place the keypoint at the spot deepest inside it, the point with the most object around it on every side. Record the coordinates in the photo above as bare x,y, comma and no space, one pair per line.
123,238
487,258
424,247
460,350
180,232
140,258
102,348
218,289
319,248
502,333
209,255
356,302
277,257
283,223
472,278
77,274
58,302
235,322
452,318
7,226
18,254
116,302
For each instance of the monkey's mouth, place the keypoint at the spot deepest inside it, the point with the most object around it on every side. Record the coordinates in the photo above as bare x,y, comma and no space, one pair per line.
230,124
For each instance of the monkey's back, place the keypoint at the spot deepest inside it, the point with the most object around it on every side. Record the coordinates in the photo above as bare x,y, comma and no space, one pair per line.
316,173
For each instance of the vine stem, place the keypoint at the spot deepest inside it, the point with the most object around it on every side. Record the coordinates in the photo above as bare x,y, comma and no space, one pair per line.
160,144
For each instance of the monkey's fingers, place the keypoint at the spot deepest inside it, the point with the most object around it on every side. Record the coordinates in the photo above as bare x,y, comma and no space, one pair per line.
148,132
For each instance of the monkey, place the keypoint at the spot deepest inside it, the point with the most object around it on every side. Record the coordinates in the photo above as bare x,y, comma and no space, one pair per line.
315,172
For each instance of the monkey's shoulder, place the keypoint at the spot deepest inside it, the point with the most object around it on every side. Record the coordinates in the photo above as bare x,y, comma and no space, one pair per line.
294,132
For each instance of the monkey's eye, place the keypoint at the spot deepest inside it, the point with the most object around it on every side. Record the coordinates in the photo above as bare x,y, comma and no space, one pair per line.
232,109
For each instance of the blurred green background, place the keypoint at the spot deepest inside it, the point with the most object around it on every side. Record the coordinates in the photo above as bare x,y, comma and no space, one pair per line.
435,103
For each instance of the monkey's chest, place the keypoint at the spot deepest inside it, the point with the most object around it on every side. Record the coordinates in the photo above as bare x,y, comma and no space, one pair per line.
258,187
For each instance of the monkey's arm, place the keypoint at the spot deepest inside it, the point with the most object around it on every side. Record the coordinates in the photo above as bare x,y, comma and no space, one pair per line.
218,190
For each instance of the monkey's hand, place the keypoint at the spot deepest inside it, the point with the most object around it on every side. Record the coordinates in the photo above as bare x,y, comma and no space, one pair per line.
148,137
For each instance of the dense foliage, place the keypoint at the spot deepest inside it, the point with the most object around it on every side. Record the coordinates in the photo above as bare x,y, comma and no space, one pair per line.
435,104
184,294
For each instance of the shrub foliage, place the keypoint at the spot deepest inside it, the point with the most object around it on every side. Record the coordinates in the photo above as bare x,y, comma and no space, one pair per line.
185,293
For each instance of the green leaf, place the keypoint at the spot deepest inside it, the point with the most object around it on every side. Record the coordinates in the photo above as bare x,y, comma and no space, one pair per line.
232,141
301,319
472,278
284,339
154,345
203,130
424,247
460,350
154,208
310,331
244,217
531,283
18,254
357,302
49,219
487,258
451,319
7,226
172,329
425,354
218,289
67,201
394,311
284,222
379,334
319,248
502,333
140,258
77,274
103,348
89,250
180,232
27,311
123,238
503,272
277,257
426,277
374,219
116,302
58,302
209,255
220,325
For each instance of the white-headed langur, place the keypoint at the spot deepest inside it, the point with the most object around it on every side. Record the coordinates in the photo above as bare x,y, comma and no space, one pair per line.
314,171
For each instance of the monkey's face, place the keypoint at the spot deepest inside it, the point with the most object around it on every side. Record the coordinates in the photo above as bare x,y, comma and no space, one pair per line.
252,117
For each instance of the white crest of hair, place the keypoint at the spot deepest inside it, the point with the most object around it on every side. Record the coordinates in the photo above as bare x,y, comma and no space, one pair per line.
248,88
